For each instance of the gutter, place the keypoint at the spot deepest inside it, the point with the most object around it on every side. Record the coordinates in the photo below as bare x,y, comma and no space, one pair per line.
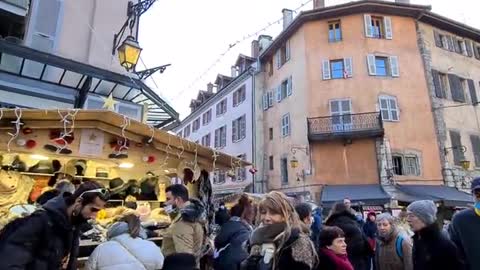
254,126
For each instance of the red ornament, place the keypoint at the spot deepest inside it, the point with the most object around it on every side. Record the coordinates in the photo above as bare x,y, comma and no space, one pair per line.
253,170
27,131
151,159
31,144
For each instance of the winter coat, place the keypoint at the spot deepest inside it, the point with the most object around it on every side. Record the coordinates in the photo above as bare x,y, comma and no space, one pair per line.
387,256
297,253
327,263
370,229
464,233
317,226
433,251
221,216
122,252
230,244
185,234
41,241
358,249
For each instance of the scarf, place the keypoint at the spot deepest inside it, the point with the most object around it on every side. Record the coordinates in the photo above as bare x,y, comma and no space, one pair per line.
267,234
341,261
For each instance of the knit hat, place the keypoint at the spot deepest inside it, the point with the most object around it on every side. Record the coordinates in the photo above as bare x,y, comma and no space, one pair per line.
425,210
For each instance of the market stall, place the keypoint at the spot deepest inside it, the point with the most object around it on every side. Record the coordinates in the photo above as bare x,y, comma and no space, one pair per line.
136,161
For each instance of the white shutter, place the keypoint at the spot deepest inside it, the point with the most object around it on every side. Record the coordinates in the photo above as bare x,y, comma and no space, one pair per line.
287,122
393,108
279,93
388,27
265,102
464,48
326,69
372,69
234,130
224,136
287,50
278,59
394,66
270,98
348,66
368,25
243,126
44,26
289,86
217,137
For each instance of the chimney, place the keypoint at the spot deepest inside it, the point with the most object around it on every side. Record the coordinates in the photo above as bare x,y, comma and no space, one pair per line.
264,41
318,4
255,48
287,17
234,71
210,87
402,1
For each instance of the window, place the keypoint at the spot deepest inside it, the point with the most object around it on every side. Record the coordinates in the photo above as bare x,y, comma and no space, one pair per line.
286,125
460,47
440,83
383,66
206,140
270,134
456,143
268,100
334,31
207,117
239,126
222,107
476,149
196,125
186,131
221,137
241,173
284,89
378,27
476,51
457,88
388,108
337,69
411,165
219,177
270,67
239,96
283,54
270,163
341,112
397,165
284,170
406,165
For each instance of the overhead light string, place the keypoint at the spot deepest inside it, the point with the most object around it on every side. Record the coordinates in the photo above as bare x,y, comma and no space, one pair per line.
18,125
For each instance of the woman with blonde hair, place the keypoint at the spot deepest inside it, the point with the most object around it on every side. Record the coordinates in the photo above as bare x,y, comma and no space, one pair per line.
279,243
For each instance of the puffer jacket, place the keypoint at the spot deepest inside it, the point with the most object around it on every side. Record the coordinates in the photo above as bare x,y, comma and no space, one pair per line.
122,252
229,244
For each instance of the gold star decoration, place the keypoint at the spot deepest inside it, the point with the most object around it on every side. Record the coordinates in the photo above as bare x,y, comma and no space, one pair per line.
109,103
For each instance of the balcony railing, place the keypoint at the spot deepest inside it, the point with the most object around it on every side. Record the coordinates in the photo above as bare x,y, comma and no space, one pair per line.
346,126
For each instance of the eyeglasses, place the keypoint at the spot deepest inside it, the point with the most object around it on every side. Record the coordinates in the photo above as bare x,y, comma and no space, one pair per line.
103,193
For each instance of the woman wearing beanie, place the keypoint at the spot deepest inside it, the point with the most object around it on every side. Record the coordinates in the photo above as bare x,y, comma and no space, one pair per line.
432,250
394,251
278,243
332,254
229,243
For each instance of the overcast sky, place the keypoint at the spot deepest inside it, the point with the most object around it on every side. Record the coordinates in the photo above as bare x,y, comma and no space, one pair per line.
191,35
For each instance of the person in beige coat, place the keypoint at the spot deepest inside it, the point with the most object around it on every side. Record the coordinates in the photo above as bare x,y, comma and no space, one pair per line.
394,251
186,233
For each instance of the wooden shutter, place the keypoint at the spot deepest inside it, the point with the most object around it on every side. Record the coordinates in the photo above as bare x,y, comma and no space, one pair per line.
289,86
278,59
438,40
476,149
223,136
234,130
326,70
217,138
372,69
456,46
394,66
476,51
243,126
451,47
439,92
265,102
384,109
388,27
473,92
348,66
468,46
287,50
279,93
368,25
456,142
464,48
456,88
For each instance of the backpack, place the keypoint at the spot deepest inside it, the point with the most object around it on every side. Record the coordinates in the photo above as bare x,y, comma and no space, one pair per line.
398,246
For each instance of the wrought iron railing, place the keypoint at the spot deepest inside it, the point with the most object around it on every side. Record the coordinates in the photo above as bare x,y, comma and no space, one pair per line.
365,123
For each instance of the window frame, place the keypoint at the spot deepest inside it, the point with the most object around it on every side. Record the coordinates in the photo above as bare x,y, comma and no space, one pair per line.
207,138
218,175
196,125
389,109
333,24
270,133
387,69
271,163
222,105
207,117
185,129
239,96
403,168
284,171
239,129
380,20
285,125
342,62
222,137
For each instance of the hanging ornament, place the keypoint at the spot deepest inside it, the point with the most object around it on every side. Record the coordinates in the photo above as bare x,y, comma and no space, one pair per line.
30,144
253,170
21,142
27,131
149,159
109,103
18,124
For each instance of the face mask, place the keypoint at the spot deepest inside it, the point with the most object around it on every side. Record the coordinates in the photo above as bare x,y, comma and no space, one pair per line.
169,209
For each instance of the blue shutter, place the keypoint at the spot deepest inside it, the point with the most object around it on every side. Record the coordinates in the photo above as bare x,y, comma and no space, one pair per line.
289,86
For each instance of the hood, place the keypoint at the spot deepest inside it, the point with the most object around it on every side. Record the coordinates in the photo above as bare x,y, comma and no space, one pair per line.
120,228
341,215
229,231
57,208
193,211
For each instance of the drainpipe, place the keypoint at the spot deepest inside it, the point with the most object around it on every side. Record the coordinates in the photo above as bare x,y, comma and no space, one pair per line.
90,37
254,124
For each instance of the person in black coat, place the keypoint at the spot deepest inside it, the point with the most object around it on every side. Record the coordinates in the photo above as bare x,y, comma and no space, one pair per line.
221,216
358,249
230,242
432,250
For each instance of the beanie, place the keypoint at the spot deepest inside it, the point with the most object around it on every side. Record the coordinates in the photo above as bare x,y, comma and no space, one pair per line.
425,210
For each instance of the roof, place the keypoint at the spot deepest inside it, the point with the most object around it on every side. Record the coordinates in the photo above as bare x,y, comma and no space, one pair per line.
222,77
83,78
358,194
450,196
111,122
242,56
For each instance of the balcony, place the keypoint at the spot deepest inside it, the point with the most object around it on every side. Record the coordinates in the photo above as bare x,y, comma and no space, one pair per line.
346,126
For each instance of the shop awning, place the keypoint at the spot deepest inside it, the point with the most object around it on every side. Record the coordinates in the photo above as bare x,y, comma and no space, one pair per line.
358,194
450,196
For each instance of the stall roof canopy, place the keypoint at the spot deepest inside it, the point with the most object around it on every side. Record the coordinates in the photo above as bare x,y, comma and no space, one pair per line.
365,194
450,196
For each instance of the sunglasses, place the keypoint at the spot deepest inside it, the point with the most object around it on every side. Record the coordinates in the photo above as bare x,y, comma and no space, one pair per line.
103,193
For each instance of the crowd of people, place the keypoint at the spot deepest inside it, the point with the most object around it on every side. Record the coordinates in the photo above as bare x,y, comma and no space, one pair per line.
274,234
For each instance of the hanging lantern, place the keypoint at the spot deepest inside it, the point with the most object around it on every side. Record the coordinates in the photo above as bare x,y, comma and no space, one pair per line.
294,162
465,164
129,53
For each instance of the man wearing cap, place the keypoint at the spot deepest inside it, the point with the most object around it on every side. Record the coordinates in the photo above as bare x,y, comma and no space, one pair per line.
432,250
464,230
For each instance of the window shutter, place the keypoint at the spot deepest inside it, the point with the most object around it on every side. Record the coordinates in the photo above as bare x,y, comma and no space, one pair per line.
394,66
368,25
393,108
456,46
287,122
44,25
279,93
464,48
388,27
270,98
234,130
438,40
451,47
439,92
278,59
243,126
456,141
456,88
476,51
476,149
372,69
348,66
217,137
265,102
326,69
287,50
473,92
384,108
468,46
224,136
289,86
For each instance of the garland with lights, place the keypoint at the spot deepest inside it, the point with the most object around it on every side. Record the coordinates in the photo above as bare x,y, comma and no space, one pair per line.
18,124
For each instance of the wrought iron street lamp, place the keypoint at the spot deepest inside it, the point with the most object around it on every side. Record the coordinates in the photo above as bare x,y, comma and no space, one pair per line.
464,163
129,53
294,161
